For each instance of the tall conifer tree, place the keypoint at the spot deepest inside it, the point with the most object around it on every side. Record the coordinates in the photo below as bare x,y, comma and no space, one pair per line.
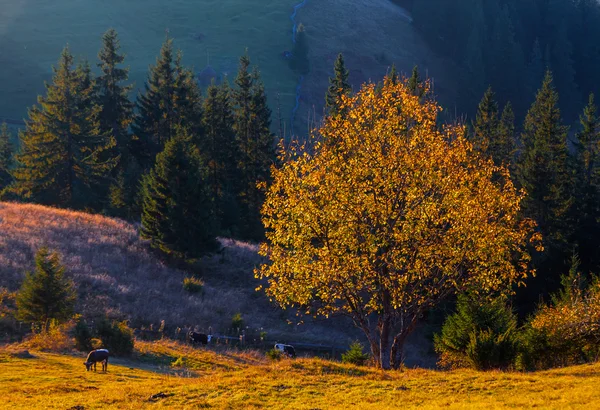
63,158
255,146
187,99
543,169
485,127
587,191
113,96
503,147
155,121
338,86
177,215
172,100
217,145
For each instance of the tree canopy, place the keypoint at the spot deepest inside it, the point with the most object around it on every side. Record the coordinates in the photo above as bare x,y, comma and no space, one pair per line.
389,219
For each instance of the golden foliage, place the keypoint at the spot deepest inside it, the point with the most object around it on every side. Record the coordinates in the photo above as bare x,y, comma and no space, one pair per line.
572,325
390,213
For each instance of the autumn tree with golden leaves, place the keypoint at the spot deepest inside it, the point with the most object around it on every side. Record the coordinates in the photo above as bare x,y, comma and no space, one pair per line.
388,218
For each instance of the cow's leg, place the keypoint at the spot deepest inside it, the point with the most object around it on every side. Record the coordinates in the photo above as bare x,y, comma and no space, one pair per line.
94,366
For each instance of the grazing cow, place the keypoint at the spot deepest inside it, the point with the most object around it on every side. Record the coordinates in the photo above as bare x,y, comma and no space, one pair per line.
287,350
95,356
196,337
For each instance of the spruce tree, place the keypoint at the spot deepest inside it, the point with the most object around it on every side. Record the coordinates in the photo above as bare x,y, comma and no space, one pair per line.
415,83
172,100
5,156
543,169
338,86
178,215
63,158
217,145
46,294
187,99
485,127
155,121
502,147
255,146
113,96
587,188
393,75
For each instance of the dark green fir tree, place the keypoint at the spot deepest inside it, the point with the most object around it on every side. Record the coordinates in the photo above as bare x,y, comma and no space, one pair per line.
255,146
187,99
218,146
338,86
485,126
46,294
543,171
64,157
178,214
503,146
415,83
587,188
112,94
155,121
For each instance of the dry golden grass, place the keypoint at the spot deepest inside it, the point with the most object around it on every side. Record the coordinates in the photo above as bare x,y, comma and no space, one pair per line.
233,380
116,274
114,270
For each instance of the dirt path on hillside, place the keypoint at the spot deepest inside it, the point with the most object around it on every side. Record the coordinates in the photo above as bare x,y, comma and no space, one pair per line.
372,35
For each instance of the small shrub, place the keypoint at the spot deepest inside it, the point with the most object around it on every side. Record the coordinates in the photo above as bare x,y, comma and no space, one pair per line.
117,337
479,335
83,336
237,322
355,355
275,354
96,343
565,332
193,285
54,337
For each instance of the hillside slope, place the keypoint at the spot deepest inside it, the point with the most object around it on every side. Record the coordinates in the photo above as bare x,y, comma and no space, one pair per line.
117,275
114,270
234,380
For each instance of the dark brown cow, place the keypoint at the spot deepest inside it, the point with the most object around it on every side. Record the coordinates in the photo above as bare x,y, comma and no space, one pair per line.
95,356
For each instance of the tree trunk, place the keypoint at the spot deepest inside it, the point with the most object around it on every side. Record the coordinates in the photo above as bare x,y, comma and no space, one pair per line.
398,345
384,343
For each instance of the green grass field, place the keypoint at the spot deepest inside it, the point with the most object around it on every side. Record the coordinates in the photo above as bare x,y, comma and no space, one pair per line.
33,32
234,380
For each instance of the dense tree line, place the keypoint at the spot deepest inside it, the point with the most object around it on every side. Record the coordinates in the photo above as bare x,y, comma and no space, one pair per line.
188,165
510,43
562,184
192,164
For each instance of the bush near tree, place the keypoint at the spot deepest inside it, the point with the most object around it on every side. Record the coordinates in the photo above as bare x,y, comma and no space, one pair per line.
481,335
567,331
355,354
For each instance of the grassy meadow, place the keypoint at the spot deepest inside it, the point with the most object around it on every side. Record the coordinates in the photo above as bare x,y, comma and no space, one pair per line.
33,32
199,378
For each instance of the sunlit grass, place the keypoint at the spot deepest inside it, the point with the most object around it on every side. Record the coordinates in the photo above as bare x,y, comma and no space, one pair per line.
247,380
